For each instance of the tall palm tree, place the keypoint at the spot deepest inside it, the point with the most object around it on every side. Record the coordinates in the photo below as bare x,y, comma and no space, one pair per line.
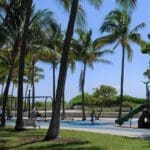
11,24
43,35
117,24
53,130
51,51
28,9
87,53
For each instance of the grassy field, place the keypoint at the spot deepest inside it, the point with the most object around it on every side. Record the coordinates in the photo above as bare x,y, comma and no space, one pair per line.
32,139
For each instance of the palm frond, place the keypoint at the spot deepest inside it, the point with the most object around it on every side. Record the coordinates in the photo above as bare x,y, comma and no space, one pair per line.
127,3
135,37
140,26
104,61
129,51
96,3
81,19
108,39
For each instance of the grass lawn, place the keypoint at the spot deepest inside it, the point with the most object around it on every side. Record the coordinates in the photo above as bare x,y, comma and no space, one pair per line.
32,139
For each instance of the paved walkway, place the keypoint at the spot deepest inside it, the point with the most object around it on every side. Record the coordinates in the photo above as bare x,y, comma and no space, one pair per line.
104,125
139,134
111,129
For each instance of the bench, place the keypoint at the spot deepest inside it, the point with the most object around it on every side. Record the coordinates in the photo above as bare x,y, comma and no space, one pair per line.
30,123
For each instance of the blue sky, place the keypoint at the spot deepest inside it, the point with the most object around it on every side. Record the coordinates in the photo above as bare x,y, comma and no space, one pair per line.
101,74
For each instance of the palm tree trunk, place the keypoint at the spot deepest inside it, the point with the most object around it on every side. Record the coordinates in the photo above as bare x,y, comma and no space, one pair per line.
2,89
11,102
122,82
83,98
53,131
26,92
14,54
63,106
54,88
19,121
33,86
5,97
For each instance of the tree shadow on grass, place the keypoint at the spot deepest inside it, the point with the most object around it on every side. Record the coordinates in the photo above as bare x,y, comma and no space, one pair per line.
59,144
76,145
3,141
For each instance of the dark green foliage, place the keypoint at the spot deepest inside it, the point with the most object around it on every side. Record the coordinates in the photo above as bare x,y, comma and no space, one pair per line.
128,101
133,100
105,94
40,105
77,100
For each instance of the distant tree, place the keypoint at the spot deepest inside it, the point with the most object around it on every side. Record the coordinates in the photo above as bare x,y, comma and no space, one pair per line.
88,54
104,94
77,100
117,25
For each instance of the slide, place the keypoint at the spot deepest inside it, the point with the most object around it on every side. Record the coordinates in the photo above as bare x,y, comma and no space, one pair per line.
130,114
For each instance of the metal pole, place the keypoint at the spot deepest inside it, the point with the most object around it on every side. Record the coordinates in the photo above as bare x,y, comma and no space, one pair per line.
29,104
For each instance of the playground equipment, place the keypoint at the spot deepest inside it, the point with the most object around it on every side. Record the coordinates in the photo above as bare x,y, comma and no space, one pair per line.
144,119
131,114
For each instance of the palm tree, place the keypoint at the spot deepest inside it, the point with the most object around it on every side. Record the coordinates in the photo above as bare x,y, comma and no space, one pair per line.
43,40
11,24
117,24
27,5
87,53
32,78
53,130
39,22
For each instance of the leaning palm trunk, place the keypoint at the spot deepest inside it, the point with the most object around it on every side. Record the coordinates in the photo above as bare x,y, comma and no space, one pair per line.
122,82
12,92
5,97
19,121
6,90
53,131
26,92
82,88
54,88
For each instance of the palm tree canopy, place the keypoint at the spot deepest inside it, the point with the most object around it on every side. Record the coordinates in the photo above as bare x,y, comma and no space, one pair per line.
127,3
86,50
117,24
81,14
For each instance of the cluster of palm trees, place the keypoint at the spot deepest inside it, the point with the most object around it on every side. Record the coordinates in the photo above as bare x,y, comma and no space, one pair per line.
28,37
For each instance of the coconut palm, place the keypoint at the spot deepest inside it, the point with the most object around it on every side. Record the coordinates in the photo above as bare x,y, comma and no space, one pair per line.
10,26
31,78
117,24
42,38
39,23
27,5
53,130
87,53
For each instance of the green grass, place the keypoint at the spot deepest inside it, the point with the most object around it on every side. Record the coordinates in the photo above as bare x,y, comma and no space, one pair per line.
32,139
